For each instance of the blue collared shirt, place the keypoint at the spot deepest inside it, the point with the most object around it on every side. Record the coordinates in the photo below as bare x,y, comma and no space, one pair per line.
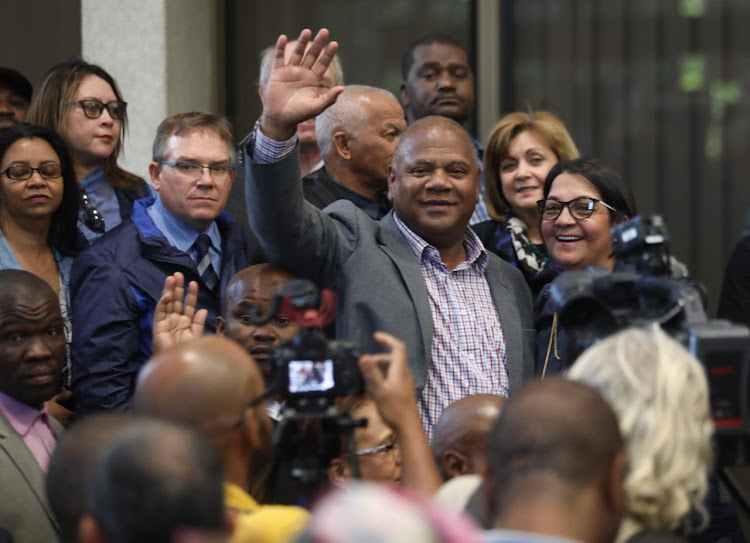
104,199
182,236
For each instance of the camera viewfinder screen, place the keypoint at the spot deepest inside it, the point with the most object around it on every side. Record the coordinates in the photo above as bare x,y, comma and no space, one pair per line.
310,376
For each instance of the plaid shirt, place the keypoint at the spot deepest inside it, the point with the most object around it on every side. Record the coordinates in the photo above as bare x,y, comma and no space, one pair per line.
468,345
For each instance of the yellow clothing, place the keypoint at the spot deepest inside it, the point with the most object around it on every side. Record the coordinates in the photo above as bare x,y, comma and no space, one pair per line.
257,523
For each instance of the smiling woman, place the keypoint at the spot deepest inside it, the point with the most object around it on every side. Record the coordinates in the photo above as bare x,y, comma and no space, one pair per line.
519,154
82,102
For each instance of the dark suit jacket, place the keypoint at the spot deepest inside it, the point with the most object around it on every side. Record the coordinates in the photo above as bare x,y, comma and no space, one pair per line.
372,268
24,510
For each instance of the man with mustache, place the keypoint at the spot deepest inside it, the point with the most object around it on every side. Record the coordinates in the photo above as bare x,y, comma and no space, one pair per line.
437,80
32,355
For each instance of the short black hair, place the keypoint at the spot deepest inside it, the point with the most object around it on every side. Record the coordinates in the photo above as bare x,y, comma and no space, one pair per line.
63,233
155,478
608,182
72,463
407,61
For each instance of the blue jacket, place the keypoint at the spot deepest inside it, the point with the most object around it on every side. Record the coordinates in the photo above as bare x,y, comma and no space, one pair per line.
115,285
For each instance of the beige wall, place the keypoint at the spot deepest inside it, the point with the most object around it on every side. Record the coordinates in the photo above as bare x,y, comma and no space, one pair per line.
163,55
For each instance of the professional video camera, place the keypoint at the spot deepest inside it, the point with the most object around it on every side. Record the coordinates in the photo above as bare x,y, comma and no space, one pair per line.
310,373
594,303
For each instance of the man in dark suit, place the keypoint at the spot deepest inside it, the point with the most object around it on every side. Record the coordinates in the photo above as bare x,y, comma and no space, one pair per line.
116,283
32,355
420,273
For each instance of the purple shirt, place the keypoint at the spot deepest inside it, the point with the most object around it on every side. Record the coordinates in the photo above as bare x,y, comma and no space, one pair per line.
32,425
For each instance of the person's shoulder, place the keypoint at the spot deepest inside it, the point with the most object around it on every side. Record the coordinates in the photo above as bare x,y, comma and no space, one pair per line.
496,265
270,523
122,238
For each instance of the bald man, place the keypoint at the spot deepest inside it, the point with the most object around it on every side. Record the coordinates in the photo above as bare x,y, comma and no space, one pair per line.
459,443
212,385
556,466
357,137
420,273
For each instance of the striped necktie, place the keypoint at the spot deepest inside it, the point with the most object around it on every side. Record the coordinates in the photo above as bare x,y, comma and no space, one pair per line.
203,258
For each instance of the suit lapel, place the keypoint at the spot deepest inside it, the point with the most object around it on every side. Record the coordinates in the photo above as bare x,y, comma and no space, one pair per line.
505,303
400,252
12,445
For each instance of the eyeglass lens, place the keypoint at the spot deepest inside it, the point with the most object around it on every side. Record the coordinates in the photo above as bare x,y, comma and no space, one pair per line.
22,172
93,108
580,208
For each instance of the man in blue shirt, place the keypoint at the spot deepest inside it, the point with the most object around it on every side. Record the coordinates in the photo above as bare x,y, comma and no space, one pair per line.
116,283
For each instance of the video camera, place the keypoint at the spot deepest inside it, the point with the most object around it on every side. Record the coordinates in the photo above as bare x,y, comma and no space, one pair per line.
595,303
310,374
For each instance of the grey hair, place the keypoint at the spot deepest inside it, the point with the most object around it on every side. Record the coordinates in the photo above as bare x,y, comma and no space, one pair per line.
660,394
266,65
345,115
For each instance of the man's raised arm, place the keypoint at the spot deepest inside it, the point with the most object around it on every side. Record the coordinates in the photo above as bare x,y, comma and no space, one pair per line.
293,92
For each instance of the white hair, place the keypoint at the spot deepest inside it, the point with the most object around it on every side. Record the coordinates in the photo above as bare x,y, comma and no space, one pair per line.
266,64
660,394
345,115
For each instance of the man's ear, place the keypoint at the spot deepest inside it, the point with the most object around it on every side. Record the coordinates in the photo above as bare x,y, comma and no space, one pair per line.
154,169
404,96
220,325
391,182
89,530
613,487
341,144
455,463
339,472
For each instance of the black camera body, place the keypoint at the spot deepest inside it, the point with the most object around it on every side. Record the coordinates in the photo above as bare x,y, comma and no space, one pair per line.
312,371
595,303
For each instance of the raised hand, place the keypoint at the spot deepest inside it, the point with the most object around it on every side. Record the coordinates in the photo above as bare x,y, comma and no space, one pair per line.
175,322
389,382
292,94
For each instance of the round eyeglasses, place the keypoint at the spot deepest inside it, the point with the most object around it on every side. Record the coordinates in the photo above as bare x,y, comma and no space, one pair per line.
93,109
579,208
23,172
192,171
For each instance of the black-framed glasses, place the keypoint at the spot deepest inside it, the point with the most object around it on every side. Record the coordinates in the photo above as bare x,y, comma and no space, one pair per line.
23,172
579,208
377,450
93,108
90,215
192,171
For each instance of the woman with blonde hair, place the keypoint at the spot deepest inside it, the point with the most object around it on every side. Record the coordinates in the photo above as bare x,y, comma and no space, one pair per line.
521,150
82,102
660,395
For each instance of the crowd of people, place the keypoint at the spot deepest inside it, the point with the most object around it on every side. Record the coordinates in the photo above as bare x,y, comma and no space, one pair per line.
141,323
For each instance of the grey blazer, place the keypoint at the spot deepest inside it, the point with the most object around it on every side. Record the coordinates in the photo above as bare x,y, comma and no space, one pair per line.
24,510
372,268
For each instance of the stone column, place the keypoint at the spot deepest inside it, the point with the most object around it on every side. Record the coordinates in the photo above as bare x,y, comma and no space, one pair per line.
163,54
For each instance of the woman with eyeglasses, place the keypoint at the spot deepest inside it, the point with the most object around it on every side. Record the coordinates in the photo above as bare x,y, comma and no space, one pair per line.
521,150
83,104
582,200
38,208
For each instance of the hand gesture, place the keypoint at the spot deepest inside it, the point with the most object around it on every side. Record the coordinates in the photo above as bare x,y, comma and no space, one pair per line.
175,322
389,382
56,408
292,94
